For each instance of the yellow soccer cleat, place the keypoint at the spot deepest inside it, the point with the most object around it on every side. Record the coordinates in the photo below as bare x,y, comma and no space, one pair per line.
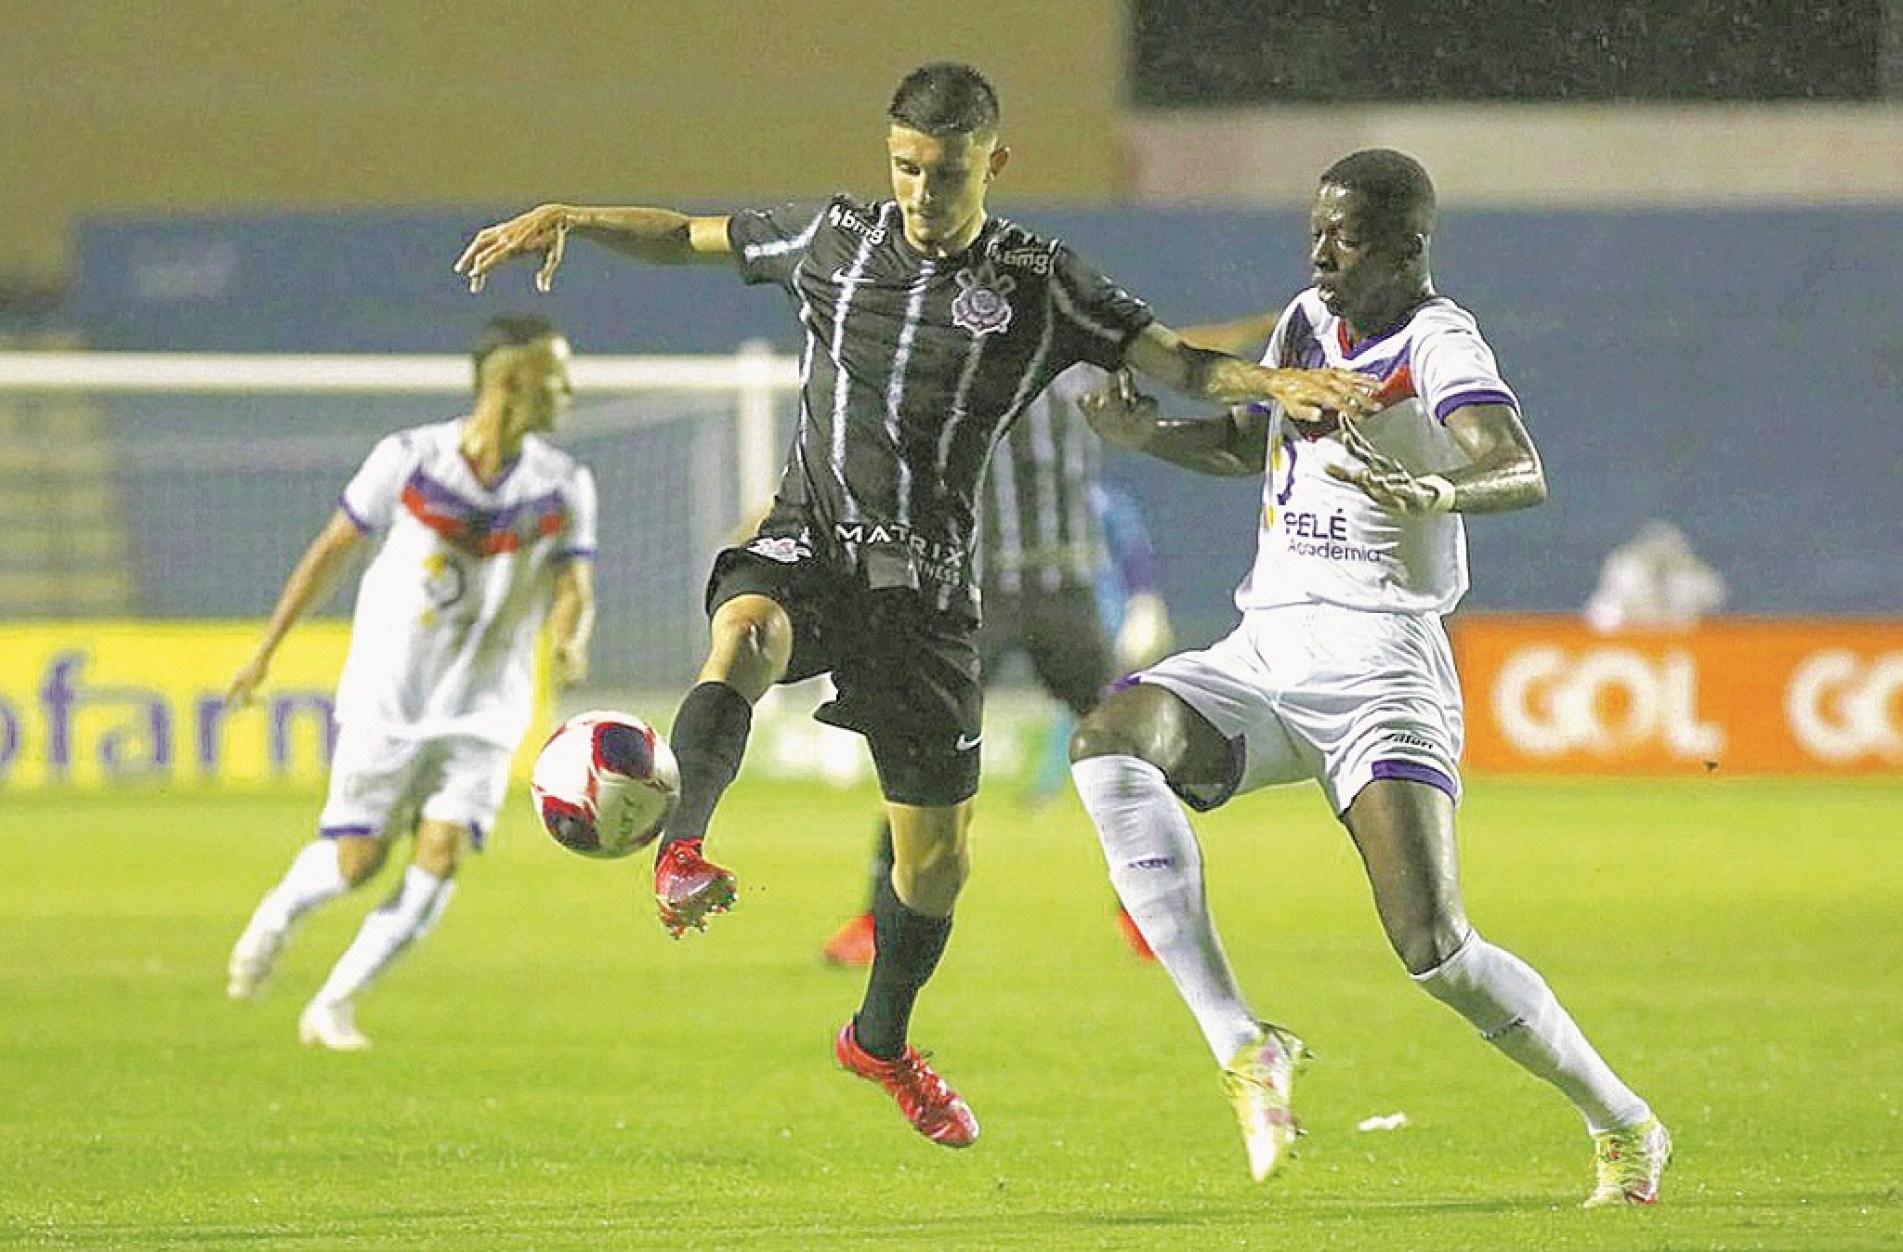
1259,1079
1628,1161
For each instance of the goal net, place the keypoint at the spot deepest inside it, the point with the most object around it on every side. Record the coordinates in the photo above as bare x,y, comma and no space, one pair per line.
169,486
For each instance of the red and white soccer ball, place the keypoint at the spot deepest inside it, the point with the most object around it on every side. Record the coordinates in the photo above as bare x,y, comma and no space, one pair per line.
604,784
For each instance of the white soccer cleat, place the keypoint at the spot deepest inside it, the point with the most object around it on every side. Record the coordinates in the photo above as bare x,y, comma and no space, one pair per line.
1628,1162
1259,1079
331,1024
251,960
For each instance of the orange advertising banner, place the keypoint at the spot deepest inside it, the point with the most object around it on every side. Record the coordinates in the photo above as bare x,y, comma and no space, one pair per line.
1750,696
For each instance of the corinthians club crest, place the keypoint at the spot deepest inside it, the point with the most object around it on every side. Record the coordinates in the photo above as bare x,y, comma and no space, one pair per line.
980,306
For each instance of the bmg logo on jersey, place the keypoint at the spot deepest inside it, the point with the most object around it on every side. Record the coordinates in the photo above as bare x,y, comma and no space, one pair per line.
846,219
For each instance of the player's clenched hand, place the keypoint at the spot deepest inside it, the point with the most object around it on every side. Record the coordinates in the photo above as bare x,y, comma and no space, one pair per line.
1385,480
1120,414
1310,395
543,229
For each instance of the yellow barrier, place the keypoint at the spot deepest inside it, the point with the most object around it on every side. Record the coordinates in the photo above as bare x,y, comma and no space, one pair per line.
110,703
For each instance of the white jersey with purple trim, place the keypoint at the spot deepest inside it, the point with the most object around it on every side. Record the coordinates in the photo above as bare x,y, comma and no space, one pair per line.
1323,540
443,639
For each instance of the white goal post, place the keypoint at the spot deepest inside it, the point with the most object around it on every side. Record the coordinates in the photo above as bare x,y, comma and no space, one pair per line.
141,484
753,376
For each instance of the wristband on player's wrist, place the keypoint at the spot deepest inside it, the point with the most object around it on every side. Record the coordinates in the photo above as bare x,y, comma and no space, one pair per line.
1443,501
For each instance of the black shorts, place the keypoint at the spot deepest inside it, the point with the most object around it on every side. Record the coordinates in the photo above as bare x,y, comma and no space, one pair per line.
1060,632
906,672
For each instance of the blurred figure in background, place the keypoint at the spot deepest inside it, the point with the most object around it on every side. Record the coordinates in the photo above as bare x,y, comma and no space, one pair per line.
1043,561
1131,607
485,529
1654,580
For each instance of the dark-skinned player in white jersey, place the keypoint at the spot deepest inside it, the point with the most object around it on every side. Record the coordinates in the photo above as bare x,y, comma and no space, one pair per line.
928,325
1340,670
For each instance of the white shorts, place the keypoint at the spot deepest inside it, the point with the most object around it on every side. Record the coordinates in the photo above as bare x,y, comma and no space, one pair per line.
380,784
1343,696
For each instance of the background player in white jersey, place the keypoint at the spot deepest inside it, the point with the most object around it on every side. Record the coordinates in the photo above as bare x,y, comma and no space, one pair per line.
1340,670
486,529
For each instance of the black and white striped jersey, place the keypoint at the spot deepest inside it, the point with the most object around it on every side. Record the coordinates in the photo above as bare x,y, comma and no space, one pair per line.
1040,524
912,369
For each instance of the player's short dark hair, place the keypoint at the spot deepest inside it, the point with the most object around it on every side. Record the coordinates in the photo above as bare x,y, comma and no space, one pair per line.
508,330
1396,193
945,98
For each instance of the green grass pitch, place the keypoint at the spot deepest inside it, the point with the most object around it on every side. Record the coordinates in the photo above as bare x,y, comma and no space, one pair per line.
552,1072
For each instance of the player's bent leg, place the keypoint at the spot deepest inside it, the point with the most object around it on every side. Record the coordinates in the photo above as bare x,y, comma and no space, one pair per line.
750,646
323,869
931,857
1405,833
1121,754
389,930
912,919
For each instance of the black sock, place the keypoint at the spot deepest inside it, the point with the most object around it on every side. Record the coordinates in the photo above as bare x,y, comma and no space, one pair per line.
908,944
881,864
709,738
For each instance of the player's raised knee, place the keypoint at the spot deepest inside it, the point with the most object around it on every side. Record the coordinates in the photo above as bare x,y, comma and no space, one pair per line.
1139,721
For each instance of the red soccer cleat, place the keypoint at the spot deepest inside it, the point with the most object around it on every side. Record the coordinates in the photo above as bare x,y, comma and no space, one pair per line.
1134,936
852,943
934,1109
688,887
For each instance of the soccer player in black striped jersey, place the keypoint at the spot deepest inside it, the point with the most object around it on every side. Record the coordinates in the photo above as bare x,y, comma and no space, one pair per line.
928,326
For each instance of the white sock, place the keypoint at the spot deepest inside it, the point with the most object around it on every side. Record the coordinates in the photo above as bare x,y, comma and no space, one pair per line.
313,878
389,928
1157,868
1515,1011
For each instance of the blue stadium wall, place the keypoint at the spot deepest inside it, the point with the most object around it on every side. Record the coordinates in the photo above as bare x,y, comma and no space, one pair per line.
1737,371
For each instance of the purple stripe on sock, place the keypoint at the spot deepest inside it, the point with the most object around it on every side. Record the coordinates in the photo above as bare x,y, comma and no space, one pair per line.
1414,771
331,832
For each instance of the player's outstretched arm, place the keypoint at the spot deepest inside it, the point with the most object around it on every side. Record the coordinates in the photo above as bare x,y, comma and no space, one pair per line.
1305,395
1503,469
660,236
1242,336
1232,444
315,574
571,619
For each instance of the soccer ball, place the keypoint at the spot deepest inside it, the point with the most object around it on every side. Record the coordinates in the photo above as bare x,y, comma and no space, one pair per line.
604,784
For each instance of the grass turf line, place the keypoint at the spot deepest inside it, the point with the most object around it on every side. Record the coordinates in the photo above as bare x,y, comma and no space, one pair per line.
552,1072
